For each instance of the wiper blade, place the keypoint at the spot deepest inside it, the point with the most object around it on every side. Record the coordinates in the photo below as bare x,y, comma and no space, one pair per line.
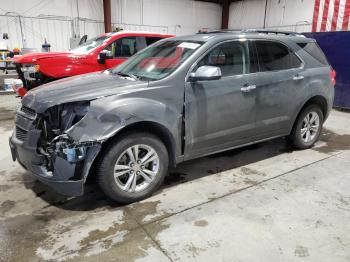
127,75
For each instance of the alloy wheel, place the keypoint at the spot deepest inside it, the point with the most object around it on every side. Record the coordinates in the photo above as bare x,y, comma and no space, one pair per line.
136,168
310,127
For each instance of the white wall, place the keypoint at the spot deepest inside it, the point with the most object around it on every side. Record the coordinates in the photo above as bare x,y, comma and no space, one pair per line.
168,16
280,13
57,30
180,16
246,14
92,9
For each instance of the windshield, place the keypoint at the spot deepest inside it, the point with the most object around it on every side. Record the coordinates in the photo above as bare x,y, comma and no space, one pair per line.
157,61
89,45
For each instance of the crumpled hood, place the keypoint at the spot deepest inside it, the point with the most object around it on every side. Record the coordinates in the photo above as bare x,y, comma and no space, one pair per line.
79,88
33,57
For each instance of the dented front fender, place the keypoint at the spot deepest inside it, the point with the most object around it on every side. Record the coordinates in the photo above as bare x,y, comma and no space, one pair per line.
108,115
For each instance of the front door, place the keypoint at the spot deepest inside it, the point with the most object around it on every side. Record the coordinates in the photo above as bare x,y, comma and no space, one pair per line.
220,114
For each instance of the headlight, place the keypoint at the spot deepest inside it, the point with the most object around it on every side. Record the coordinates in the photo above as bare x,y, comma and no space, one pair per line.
30,68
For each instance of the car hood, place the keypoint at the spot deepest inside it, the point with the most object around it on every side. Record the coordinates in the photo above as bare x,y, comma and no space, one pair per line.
80,88
33,57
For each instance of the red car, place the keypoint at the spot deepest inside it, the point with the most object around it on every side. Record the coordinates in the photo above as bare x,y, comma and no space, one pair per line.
100,53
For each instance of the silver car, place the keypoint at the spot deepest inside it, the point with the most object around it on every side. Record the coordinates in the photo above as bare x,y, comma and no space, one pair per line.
179,99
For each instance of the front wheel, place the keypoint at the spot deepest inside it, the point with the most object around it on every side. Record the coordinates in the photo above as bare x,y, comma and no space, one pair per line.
308,127
133,167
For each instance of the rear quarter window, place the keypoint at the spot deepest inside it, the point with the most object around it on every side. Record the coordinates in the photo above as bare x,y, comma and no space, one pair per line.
274,56
315,51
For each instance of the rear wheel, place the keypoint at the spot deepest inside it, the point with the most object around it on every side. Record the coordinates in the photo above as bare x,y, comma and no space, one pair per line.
307,128
133,167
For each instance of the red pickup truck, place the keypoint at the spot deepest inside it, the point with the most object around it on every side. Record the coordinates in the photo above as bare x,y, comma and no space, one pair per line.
99,53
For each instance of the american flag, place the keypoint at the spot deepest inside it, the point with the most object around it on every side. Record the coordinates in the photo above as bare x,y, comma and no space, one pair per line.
331,15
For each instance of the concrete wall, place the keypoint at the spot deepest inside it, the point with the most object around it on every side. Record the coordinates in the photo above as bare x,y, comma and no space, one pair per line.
285,14
168,16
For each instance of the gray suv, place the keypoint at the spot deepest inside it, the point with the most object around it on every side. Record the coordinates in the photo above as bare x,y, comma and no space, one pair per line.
179,99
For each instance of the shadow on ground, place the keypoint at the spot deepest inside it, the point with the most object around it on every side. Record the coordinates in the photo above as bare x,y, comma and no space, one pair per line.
184,172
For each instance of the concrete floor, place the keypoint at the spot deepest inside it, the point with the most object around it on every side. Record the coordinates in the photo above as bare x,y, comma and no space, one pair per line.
9,103
261,203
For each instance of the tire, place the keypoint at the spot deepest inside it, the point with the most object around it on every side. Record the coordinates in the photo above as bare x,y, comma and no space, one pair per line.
298,137
115,180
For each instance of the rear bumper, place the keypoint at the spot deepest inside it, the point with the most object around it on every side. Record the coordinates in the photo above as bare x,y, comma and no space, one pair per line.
64,179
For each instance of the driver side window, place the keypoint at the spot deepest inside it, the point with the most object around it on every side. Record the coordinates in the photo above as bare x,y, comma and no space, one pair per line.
231,57
125,47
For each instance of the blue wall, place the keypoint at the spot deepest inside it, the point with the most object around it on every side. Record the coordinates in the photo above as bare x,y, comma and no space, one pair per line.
336,46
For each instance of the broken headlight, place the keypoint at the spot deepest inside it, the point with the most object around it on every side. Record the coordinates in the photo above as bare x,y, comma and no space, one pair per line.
53,123
59,118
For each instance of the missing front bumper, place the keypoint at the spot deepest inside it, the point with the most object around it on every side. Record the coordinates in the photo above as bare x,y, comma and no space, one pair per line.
66,179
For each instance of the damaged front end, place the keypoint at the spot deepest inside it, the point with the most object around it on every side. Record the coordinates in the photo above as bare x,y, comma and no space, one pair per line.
40,144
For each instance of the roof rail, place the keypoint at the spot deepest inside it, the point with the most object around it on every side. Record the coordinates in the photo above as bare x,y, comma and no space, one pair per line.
218,31
269,31
258,31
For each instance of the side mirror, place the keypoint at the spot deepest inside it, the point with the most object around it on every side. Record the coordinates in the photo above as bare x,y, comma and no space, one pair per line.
103,56
206,73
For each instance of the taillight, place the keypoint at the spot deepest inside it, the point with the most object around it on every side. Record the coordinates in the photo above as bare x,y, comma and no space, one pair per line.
333,76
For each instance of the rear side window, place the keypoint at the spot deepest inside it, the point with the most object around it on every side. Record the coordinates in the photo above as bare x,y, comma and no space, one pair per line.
315,51
273,56
151,40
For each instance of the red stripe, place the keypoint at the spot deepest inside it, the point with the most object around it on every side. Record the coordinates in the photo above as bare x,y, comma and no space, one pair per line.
345,25
324,16
335,15
315,18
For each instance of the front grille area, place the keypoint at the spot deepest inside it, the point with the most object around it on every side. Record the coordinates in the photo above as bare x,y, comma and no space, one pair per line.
28,111
21,134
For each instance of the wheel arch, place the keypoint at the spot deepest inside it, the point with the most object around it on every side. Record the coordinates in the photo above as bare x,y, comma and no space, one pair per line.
315,100
153,128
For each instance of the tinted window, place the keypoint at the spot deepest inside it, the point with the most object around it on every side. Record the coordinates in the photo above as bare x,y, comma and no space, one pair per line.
231,57
125,47
150,40
315,51
274,56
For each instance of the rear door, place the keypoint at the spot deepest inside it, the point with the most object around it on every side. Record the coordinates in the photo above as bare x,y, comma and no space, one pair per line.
220,114
280,78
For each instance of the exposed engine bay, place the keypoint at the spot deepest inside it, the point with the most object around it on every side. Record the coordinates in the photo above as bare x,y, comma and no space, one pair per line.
53,123
49,151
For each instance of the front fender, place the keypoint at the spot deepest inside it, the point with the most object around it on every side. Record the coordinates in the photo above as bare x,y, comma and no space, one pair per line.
107,116
66,66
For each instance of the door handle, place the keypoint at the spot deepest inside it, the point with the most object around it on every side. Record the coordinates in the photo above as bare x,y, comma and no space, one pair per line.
298,77
246,89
